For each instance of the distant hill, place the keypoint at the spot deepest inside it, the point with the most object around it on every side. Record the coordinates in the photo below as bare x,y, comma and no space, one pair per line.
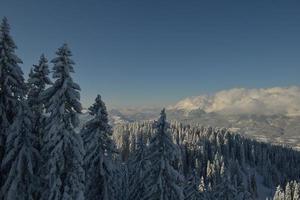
270,115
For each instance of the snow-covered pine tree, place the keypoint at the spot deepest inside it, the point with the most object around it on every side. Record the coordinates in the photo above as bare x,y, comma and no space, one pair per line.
296,194
21,159
288,195
99,149
37,82
291,192
162,180
210,173
279,194
203,147
12,85
202,187
63,148
137,168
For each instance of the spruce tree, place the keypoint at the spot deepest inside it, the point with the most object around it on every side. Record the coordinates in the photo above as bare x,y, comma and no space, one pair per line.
137,168
288,195
37,82
12,85
99,149
296,194
202,187
63,148
163,181
279,194
21,159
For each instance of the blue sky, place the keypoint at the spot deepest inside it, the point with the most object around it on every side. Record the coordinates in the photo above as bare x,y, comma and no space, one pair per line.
157,52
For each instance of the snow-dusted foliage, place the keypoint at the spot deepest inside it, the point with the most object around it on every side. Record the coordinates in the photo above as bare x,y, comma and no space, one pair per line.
63,148
99,149
162,180
12,85
291,191
21,159
150,161
138,165
37,82
222,163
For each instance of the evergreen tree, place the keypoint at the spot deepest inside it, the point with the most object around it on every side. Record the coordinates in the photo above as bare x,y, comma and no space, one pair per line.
279,194
138,166
12,85
21,159
202,187
210,173
63,148
296,194
37,82
99,149
288,192
163,181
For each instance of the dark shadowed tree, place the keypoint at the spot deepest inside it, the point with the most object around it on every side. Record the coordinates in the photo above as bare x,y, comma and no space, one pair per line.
21,159
37,82
99,149
12,85
162,180
63,148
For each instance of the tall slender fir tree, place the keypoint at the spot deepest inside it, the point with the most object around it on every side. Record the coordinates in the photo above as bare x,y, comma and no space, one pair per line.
162,180
99,149
137,168
37,82
63,148
21,159
12,85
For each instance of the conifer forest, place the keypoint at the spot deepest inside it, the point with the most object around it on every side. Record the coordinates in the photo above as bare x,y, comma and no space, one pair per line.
47,154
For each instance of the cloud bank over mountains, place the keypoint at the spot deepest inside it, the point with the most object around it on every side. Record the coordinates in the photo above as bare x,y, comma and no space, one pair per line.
267,101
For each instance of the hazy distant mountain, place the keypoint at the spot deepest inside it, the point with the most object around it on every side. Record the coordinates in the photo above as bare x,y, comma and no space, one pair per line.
269,101
270,115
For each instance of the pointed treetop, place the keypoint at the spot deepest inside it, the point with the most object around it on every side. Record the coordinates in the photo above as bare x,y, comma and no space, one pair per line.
63,64
64,50
4,27
43,68
162,121
41,65
6,38
43,59
38,75
163,116
98,99
98,108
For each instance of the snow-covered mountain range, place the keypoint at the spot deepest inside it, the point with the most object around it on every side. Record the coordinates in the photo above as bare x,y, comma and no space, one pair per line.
271,114
269,101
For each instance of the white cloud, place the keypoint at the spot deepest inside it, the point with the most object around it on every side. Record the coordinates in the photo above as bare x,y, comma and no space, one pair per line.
277,100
